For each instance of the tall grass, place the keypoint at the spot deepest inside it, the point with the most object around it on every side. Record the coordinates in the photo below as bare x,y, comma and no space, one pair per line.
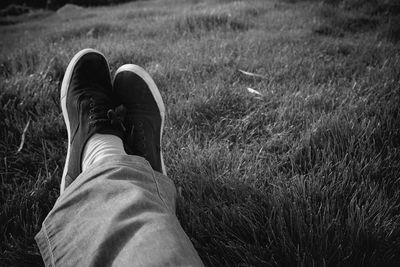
305,175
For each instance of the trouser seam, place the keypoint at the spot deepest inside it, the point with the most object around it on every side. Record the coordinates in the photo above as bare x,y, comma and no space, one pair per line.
49,244
158,191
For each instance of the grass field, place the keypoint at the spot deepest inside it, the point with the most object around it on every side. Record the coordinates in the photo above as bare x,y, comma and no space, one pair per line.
306,174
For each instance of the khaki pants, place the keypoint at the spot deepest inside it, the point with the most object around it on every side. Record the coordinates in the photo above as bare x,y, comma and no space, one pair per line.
119,212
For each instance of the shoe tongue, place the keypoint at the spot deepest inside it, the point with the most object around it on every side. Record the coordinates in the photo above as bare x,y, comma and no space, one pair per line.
101,96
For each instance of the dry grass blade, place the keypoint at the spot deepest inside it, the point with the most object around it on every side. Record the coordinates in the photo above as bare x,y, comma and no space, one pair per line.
21,145
252,74
251,90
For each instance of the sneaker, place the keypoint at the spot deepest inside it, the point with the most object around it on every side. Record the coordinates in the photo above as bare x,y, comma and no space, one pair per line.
145,114
87,106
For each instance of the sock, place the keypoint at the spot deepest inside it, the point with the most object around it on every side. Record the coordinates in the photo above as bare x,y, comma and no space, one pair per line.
100,146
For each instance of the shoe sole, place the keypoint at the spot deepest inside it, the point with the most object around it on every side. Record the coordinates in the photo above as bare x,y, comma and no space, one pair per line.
63,97
156,95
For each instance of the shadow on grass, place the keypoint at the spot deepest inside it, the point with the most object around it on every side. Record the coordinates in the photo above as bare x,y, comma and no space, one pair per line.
339,17
337,22
26,17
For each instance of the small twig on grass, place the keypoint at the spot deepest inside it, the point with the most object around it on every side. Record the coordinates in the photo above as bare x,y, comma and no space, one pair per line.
252,74
21,145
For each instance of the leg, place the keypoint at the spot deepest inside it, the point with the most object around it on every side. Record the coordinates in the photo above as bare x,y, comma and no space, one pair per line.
114,209
118,212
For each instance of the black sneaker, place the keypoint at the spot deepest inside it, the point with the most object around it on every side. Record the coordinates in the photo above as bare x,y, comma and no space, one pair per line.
87,105
145,114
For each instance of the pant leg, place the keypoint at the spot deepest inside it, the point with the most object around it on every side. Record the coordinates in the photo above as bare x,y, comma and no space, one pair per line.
119,212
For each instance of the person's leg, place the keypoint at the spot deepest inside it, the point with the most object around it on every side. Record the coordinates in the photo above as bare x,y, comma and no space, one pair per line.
118,211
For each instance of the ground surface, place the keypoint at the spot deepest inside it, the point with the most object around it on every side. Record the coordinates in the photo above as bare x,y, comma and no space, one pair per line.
307,174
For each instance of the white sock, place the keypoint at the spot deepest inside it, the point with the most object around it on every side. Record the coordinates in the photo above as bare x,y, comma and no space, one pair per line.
100,146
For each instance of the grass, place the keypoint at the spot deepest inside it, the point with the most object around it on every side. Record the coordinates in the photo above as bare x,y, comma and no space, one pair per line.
305,175
339,17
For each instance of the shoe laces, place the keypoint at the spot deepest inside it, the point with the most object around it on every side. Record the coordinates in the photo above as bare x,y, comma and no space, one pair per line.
101,113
